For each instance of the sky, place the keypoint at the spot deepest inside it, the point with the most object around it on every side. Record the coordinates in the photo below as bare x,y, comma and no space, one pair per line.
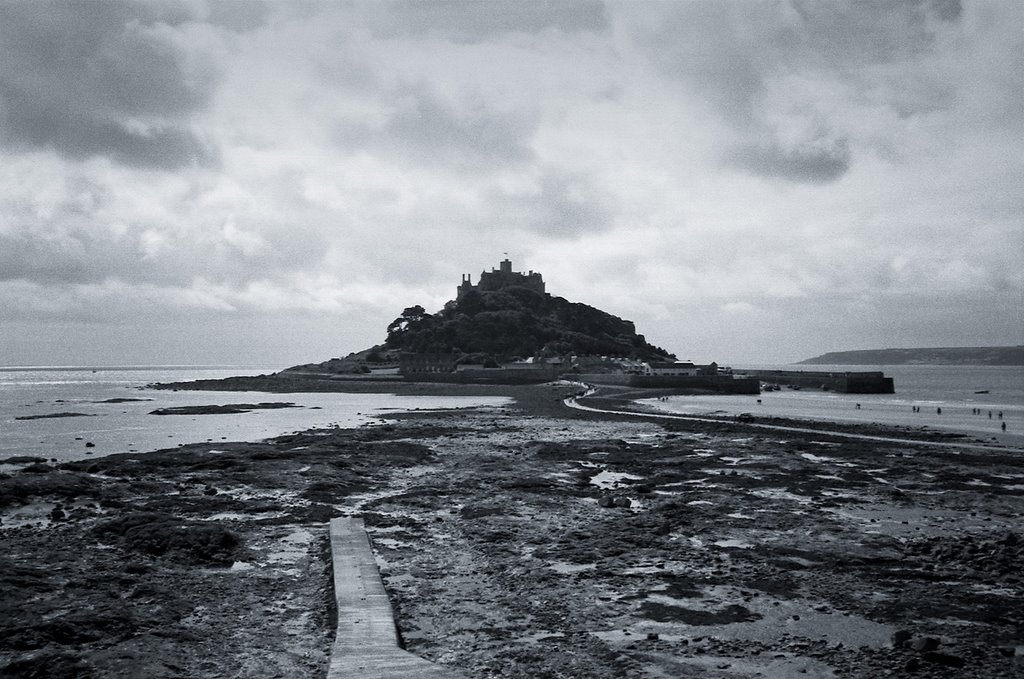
253,183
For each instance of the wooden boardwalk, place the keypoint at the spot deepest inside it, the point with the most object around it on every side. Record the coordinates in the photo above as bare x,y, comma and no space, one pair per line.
366,642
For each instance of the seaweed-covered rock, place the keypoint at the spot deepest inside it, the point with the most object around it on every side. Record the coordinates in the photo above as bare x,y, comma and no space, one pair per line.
47,666
21,488
160,534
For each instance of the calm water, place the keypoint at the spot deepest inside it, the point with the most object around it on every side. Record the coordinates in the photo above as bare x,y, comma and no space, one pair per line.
953,389
125,427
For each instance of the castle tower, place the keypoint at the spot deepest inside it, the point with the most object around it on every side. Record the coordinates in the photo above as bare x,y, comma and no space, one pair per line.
465,286
506,265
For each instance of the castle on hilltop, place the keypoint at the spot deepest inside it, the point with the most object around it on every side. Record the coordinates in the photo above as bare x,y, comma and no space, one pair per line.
503,277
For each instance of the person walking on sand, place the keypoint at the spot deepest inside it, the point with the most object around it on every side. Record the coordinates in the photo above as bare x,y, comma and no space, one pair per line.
1004,426
938,411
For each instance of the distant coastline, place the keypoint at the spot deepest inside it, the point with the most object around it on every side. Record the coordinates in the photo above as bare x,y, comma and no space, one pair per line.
923,356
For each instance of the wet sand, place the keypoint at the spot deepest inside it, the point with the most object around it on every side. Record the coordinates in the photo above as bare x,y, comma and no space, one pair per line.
874,409
525,541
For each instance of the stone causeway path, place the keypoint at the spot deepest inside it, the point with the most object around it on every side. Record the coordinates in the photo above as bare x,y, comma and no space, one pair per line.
366,643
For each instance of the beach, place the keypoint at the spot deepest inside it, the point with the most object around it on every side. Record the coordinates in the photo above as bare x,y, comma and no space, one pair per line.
527,539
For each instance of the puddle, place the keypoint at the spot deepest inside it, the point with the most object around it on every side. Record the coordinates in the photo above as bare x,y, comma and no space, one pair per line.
390,543
763,618
732,542
566,568
780,494
608,480
241,516
291,547
35,514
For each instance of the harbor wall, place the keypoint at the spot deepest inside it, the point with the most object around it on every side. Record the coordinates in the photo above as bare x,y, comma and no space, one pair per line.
843,382
725,384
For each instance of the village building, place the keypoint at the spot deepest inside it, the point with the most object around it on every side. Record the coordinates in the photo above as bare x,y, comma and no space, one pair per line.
679,368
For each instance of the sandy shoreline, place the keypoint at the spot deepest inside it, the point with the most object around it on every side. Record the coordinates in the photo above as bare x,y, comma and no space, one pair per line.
740,552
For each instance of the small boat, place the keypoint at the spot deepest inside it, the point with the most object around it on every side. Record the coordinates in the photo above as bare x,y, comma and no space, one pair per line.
983,391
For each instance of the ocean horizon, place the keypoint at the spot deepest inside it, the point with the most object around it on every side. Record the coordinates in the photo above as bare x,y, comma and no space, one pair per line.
113,406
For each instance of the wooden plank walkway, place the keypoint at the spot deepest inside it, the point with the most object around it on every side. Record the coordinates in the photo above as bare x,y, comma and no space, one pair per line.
366,640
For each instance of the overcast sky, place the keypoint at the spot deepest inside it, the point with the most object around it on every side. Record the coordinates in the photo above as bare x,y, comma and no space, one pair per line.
237,182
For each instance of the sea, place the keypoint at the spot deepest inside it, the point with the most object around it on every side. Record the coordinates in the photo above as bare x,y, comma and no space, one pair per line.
114,405
973,400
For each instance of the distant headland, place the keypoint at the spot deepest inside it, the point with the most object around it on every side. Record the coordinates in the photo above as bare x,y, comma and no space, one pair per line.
923,356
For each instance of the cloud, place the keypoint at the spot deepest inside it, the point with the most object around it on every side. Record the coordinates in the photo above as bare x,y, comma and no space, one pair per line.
342,161
120,80
815,162
468,21
557,205
771,67
428,131
738,307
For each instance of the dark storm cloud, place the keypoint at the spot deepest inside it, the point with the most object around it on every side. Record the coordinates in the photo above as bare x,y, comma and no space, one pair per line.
469,21
238,15
428,130
808,163
734,55
703,45
100,79
71,255
863,32
567,206
26,257
726,50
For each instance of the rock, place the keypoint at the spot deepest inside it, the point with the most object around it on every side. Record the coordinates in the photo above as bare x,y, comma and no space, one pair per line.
943,659
652,636
48,666
623,501
159,534
924,644
90,444
57,514
900,637
606,501
913,665
37,468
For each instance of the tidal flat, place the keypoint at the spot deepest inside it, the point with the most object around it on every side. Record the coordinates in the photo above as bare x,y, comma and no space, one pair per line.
527,540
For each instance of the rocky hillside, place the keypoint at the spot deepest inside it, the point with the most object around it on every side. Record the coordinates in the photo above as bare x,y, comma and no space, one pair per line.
517,322
932,356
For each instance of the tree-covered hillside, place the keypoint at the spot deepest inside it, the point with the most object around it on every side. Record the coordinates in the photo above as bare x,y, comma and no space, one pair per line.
517,322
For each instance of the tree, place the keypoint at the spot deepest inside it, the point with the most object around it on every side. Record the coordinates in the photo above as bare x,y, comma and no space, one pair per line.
411,318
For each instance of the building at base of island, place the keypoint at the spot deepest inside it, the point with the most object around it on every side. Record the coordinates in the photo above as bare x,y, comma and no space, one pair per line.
443,367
